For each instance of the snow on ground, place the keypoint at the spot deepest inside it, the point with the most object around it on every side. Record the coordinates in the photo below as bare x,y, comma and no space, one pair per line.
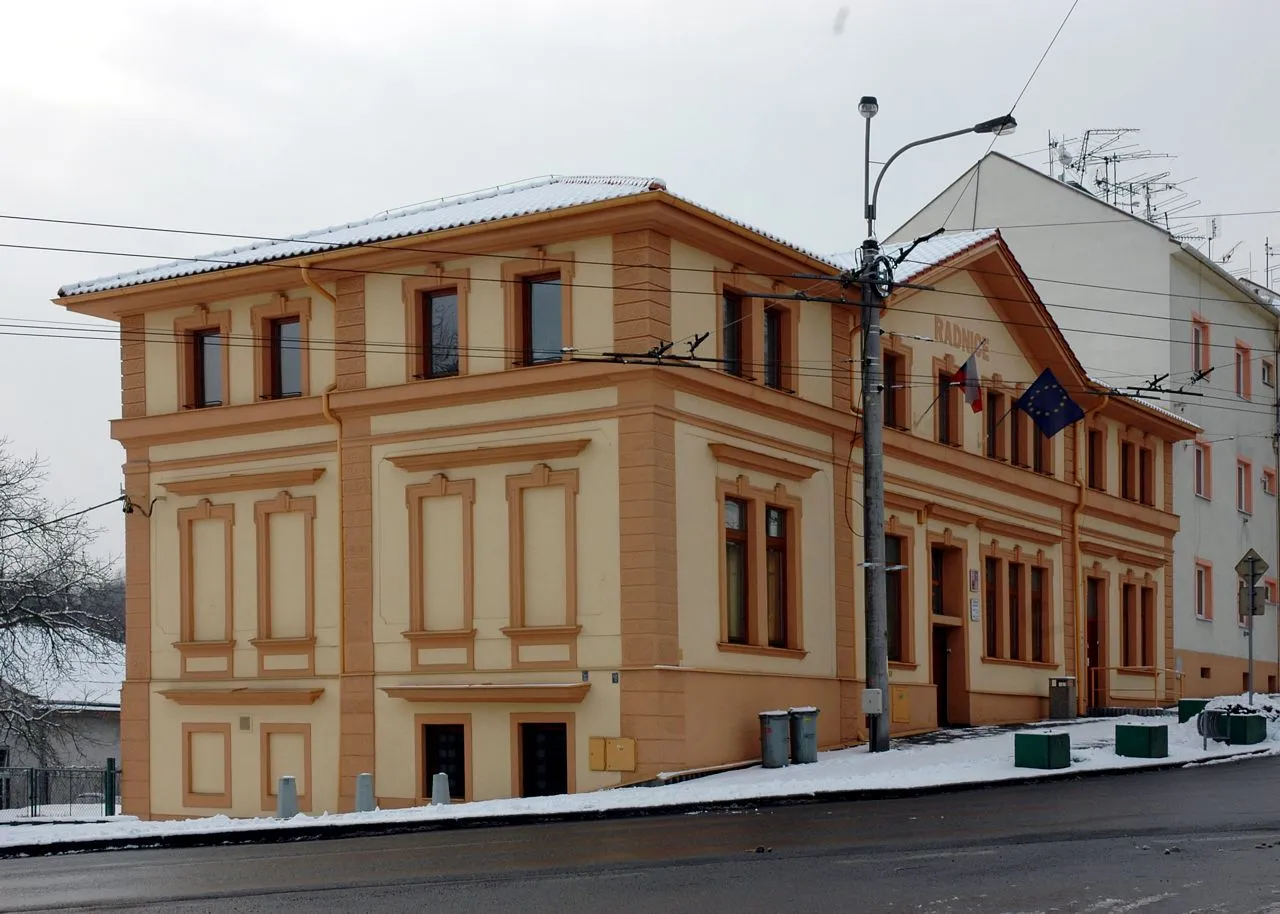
976,757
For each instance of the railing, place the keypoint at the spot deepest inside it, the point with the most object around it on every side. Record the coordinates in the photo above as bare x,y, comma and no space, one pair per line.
59,793
1101,682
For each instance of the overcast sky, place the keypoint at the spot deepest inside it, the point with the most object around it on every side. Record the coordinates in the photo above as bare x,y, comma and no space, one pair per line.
267,118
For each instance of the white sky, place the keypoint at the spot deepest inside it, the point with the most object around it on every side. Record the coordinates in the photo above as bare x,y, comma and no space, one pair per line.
268,118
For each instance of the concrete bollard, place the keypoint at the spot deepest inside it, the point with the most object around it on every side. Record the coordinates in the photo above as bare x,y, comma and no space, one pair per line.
287,797
364,793
440,789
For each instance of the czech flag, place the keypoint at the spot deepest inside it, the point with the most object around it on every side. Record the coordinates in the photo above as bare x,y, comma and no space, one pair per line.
967,379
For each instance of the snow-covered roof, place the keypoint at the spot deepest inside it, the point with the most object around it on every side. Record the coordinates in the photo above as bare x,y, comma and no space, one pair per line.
69,673
927,254
539,195
1148,404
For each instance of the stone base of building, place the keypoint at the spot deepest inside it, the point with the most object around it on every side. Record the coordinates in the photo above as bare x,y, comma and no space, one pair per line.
1207,675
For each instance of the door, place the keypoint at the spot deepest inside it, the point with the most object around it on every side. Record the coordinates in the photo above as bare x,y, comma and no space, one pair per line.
1094,629
941,651
445,750
544,759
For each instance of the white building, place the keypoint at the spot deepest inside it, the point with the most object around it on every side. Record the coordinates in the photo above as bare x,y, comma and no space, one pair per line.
1138,305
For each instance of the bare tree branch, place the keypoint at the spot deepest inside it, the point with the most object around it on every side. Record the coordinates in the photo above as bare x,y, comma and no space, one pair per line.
57,601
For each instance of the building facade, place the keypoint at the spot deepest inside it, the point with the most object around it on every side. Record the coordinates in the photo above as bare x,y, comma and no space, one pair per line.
1138,305
433,493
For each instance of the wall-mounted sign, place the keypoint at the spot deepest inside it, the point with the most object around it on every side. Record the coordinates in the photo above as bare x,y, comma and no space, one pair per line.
975,613
973,580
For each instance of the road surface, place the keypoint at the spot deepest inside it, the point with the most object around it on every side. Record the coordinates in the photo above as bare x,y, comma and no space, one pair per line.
1189,840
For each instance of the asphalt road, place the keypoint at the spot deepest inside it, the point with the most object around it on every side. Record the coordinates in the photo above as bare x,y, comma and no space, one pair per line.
1189,840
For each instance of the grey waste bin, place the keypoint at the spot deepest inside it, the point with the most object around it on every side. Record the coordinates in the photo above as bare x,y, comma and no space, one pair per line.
804,735
1062,698
773,739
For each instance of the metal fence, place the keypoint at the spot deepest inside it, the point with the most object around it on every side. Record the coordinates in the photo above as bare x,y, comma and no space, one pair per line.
59,793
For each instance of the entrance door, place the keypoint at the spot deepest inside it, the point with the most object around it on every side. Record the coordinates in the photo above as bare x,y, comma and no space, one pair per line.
941,638
1095,686
544,759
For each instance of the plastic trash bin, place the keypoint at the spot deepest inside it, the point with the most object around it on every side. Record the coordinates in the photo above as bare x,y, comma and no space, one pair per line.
773,739
804,735
1062,698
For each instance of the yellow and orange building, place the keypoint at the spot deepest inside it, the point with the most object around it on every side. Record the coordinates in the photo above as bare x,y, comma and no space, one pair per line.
414,495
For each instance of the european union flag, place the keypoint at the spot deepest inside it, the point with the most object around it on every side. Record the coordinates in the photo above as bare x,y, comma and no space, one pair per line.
1049,405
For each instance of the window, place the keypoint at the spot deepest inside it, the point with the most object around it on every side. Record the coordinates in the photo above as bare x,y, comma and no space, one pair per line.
1244,371
1273,590
775,522
1268,481
439,328
1206,672
995,425
1096,459
206,349
895,390
937,574
773,347
895,599
1147,476
736,562
286,358
1018,438
1128,485
445,750
732,331
947,431
1204,591
1268,372
1039,617
1015,611
541,320
1129,625
1244,486
992,646
1041,452
1203,471
1199,344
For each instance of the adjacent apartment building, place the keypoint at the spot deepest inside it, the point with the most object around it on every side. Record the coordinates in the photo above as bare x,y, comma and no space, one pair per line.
1138,305
430,492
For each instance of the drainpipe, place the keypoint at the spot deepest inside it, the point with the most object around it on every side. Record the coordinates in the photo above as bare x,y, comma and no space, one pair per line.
342,533
1082,692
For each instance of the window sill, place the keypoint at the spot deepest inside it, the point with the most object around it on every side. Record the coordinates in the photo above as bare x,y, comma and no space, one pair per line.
1030,664
903,665
1203,497
1200,618
760,650
1146,671
549,631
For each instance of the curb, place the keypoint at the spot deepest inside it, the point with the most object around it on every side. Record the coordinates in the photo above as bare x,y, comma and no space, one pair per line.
287,834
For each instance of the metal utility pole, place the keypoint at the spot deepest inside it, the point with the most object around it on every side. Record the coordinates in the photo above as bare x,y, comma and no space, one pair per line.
876,282
1251,568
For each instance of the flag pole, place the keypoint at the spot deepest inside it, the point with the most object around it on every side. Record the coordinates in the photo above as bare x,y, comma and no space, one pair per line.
938,396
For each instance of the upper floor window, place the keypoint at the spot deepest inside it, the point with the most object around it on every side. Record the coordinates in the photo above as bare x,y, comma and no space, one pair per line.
896,607
439,328
774,329
995,425
896,385
1096,459
1268,372
1268,481
1203,470
542,320
207,352
1018,438
948,409
1128,471
1041,452
1244,486
1146,476
732,332
1204,591
1244,371
286,357
1199,344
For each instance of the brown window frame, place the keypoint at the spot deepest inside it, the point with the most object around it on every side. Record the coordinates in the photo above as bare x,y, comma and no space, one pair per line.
1015,609
994,428
740,538
267,321
1130,633
1147,476
518,277
1200,343
1096,459
777,587
776,330
1018,423
734,324
1041,452
993,586
1041,624
1147,645
948,424
897,598
199,360
1244,486
276,347
1244,370
1128,471
897,386
426,343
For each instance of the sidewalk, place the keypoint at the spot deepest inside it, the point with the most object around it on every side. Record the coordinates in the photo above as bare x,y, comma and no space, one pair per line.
968,759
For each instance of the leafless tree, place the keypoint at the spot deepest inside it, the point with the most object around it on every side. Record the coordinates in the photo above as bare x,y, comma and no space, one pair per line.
53,614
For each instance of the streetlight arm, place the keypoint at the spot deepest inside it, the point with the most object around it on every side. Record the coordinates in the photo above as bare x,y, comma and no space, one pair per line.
875,194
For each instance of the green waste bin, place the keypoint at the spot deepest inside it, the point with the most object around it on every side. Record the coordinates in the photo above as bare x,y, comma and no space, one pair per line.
773,739
1142,741
804,735
1246,729
1041,750
1190,707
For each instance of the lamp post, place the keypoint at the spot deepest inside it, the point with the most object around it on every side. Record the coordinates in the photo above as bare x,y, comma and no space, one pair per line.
876,278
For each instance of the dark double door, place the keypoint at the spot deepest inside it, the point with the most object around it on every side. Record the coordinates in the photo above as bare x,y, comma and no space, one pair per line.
544,759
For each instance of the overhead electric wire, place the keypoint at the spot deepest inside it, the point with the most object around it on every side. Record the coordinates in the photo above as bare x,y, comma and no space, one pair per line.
57,520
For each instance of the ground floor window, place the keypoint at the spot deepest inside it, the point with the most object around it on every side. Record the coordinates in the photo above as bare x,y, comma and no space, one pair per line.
445,750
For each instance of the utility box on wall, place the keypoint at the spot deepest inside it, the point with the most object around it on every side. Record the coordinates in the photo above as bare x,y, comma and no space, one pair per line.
611,753
900,705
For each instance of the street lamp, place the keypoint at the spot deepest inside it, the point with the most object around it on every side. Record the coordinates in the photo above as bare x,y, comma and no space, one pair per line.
876,277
